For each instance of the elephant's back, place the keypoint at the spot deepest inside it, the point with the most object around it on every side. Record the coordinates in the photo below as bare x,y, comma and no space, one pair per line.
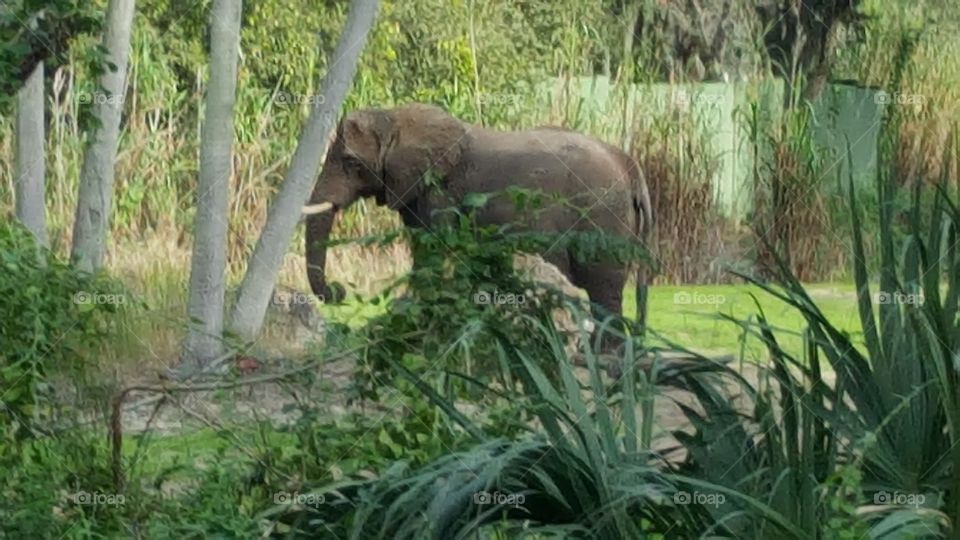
553,159
582,170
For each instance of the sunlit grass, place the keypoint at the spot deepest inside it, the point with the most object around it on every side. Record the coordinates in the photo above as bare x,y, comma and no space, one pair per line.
691,315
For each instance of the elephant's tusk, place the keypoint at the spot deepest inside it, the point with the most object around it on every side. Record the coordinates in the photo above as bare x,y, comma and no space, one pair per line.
320,208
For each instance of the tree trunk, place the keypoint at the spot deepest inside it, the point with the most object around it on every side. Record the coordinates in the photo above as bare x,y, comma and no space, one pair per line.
205,305
248,312
31,156
96,177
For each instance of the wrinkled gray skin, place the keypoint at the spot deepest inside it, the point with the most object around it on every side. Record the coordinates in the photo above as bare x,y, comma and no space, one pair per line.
386,153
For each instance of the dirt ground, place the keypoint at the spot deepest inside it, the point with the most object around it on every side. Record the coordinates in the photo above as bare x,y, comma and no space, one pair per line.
276,401
223,409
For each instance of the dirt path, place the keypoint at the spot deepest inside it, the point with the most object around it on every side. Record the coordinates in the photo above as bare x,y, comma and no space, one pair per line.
277,403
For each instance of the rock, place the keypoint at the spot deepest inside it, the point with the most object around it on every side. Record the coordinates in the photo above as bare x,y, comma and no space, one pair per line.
537,270
247,365
298,311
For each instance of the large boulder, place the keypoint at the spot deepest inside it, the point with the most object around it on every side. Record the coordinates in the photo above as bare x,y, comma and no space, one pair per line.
296,311
537,270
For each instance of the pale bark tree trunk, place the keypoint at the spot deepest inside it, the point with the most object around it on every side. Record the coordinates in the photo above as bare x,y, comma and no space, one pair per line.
205,305
96,177
248,312
31,156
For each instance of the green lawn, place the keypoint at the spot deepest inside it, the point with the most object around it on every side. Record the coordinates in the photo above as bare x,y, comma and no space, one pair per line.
689,315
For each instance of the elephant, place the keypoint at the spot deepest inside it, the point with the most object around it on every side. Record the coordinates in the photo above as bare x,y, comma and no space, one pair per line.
417,158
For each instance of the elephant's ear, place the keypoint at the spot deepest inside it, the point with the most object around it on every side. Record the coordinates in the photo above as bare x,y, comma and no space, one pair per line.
427,147
366,135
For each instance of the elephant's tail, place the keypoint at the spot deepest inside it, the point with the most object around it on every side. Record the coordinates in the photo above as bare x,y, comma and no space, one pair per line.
644,231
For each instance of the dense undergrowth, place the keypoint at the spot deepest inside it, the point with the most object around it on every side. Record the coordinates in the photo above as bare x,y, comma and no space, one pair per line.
491,428
484,419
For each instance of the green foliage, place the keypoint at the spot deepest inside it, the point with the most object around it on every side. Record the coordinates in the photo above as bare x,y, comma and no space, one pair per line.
39,492
565,453
63,488
791,457
324,448
34,31
582,467
843,495
488,400
553,476
447,328
50,319
897,401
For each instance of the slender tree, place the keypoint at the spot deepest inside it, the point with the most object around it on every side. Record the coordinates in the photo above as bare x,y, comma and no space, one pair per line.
96,177
248,312
31,156
205,305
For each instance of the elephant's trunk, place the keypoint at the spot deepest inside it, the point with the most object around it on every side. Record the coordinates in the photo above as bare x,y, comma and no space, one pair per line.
317,233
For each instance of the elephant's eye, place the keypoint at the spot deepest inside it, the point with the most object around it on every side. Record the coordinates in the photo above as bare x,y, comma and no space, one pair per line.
351,164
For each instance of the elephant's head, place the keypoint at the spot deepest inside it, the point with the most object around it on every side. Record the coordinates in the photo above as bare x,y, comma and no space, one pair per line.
384,154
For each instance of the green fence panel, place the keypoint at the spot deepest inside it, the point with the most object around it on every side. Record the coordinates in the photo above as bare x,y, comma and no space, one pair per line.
848,116
733,122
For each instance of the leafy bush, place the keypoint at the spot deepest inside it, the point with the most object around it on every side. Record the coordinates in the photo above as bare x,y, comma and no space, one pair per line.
896,393
38,32
51,317
63,488
784,456
447,329
884,431
585,466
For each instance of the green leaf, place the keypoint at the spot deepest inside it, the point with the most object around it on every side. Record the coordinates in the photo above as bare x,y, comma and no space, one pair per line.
476,200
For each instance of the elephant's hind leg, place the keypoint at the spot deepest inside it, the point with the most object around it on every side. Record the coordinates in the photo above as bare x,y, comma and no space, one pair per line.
604,284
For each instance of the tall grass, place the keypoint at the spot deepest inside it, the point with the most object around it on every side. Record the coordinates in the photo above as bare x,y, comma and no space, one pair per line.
791,214
691,233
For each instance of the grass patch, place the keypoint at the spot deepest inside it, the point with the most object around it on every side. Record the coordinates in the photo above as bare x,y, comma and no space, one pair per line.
691,315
